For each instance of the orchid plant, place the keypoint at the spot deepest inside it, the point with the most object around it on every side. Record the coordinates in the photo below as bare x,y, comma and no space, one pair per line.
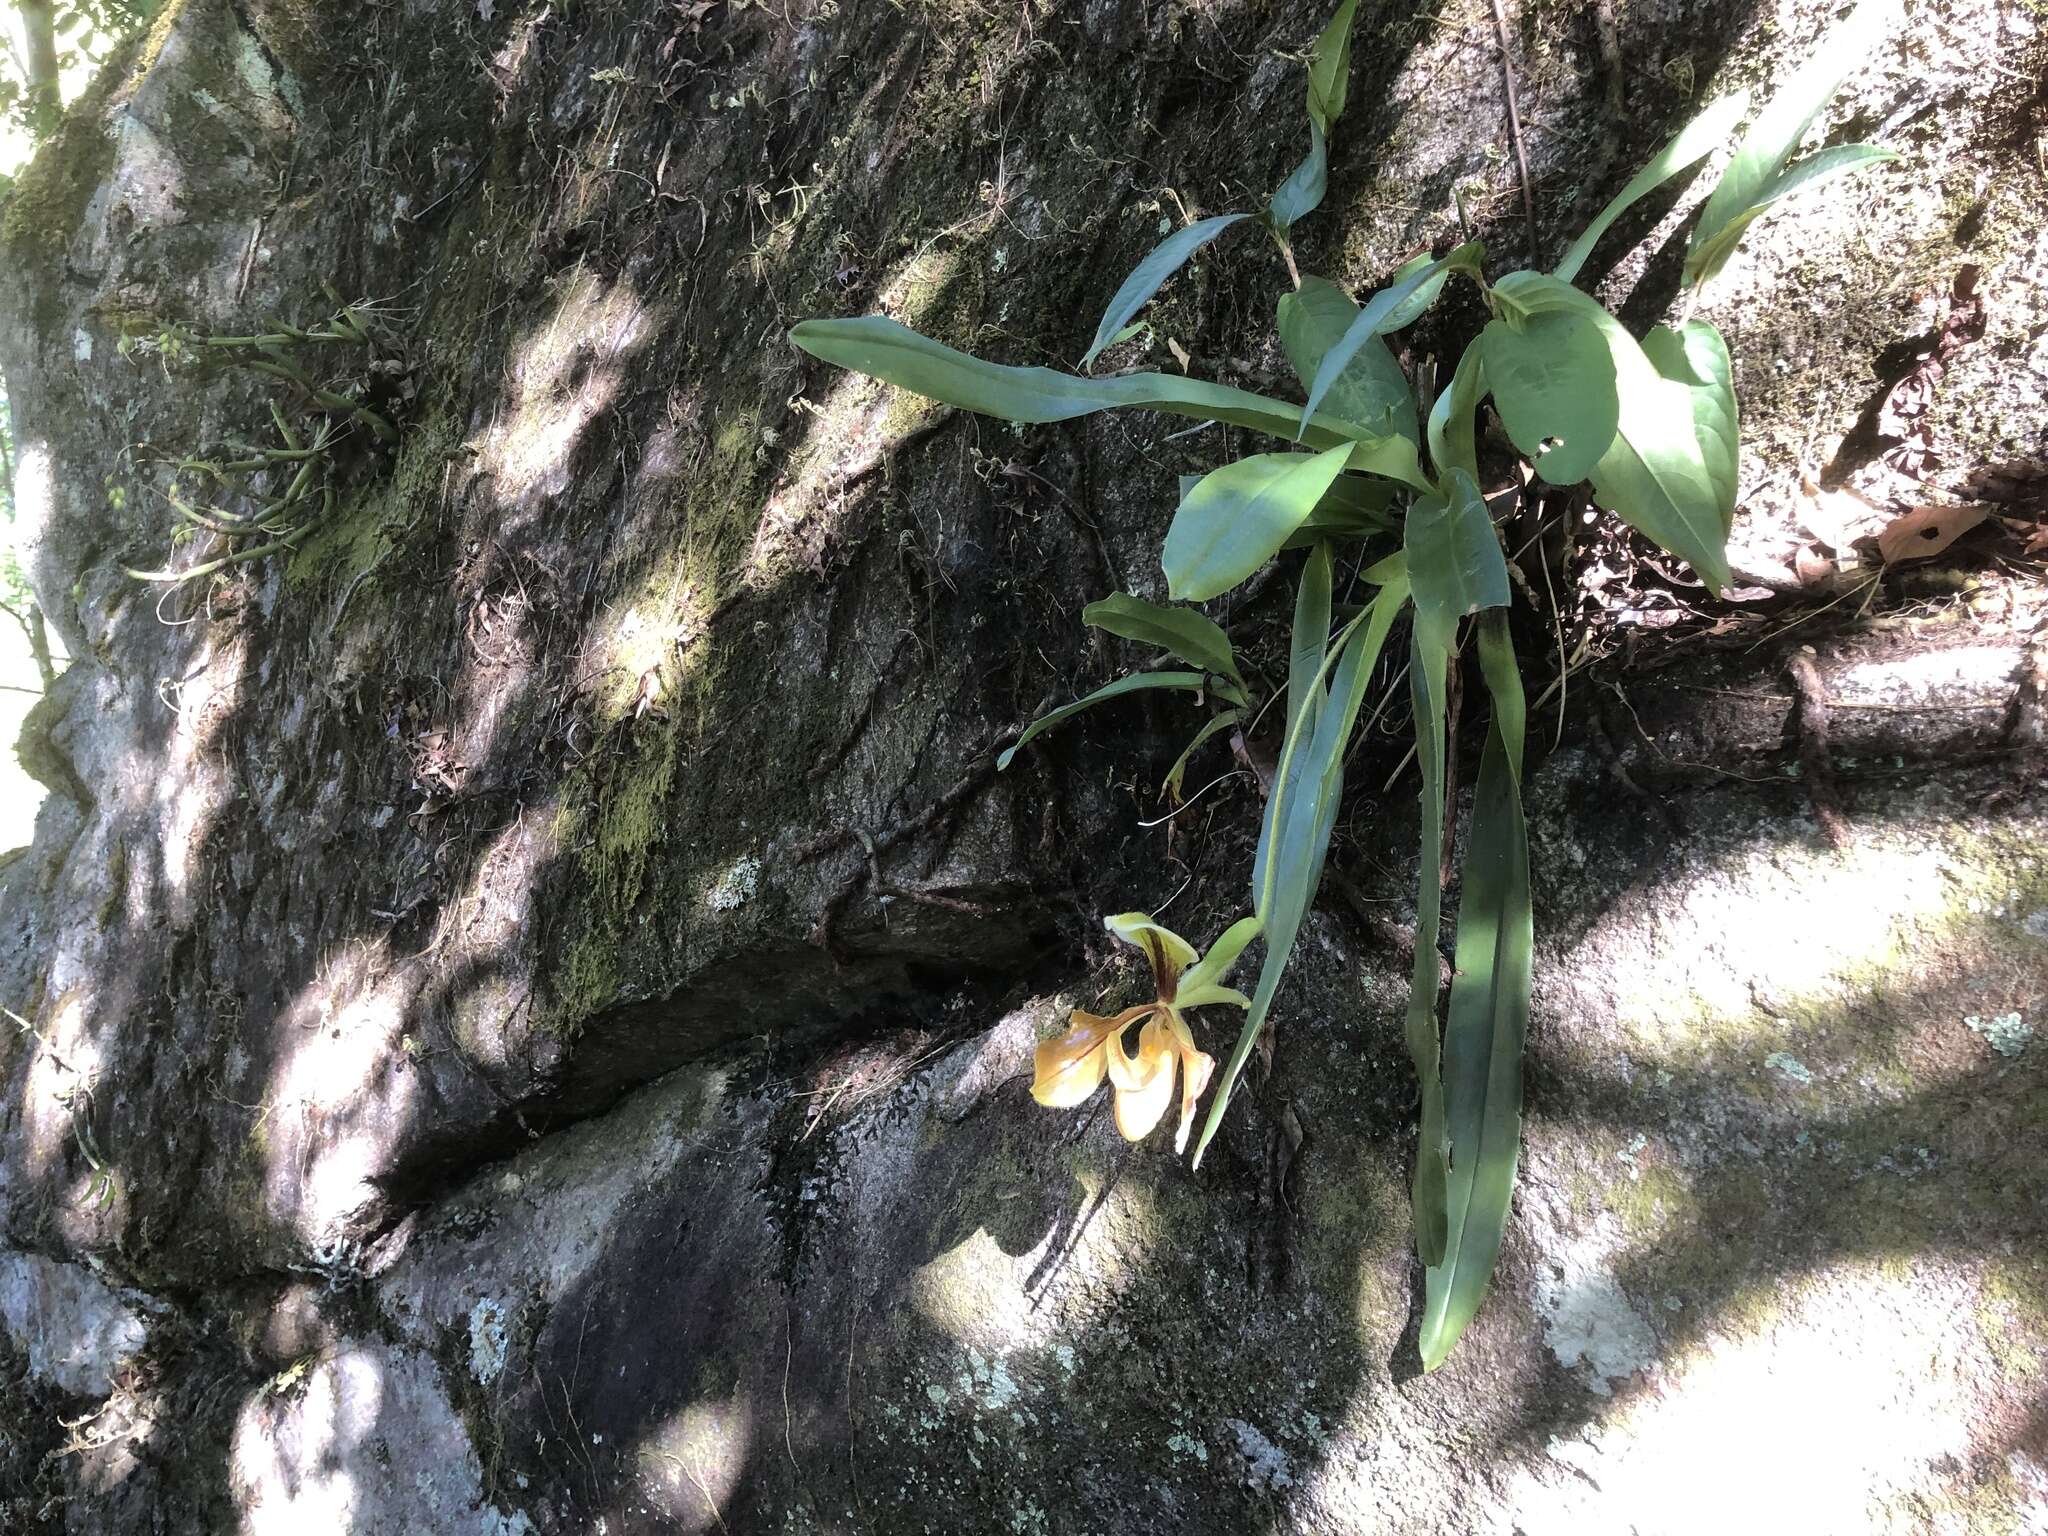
1072,1066
1650,424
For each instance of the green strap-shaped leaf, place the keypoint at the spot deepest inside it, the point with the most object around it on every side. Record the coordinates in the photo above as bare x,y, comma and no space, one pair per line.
1301,810
1653,473
1695,141
1777,131
1372,392
1190,682
1823,165
1309,643
1454,559
1329,83
1553,383
1696,357
895,354
1166,259
1428,662
1184,632
1372,319
1489,1014
1237,517
1170,786
1308,649
1453,442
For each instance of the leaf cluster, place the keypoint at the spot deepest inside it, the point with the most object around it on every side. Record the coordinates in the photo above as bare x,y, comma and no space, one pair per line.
1650,423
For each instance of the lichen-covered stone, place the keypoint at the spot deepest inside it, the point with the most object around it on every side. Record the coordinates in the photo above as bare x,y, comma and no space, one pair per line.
532,996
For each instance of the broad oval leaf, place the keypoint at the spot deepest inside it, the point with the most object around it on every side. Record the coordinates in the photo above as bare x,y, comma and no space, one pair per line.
1352,508
1189,682
1237,518
1372,392
1453,439
1372,319
1165,259
1187,634
1696,357
895,354
1411,309
1454,559
1695,141
1301,194
1488,1016
1653,475
1329,68
1553,383
1777,132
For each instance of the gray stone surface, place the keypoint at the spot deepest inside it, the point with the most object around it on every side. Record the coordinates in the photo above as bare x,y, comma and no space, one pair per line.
465,1020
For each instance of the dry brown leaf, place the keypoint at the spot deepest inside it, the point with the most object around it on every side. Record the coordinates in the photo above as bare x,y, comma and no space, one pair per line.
1812,567
1924,532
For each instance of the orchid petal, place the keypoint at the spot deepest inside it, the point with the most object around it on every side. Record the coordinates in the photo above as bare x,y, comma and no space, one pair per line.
1222,955
1134,1074
1196,1069
1141,1108
1199,997
1070,1067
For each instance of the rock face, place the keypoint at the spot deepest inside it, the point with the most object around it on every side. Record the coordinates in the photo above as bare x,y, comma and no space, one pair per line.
523,1001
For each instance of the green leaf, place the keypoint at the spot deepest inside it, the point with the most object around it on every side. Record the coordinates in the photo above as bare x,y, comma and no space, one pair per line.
1190,682
1352,508
1554,385
1428,662
1411,309
1190,636
895,354
1489,1015
1308,784
1329,68
1654,474
1308,654
1824,165
1166,259
1696,357
1170,786
1712,255
1372,392
1308,650
1301,194
1452,440
1237,517
1776,133
1695,141
1372,319
1454,559
1329,83
1309,647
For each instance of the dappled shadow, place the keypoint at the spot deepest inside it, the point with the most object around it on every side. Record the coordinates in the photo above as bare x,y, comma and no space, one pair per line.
481,843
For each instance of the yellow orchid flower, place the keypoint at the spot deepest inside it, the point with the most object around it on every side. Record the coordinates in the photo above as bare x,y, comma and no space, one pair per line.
1070,1067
